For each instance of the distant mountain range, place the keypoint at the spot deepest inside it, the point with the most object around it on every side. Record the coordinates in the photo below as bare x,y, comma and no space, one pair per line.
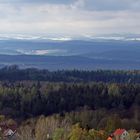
68,38
71,54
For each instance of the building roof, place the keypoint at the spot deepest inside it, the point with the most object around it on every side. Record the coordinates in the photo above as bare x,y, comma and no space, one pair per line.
109,138
119,132
8,132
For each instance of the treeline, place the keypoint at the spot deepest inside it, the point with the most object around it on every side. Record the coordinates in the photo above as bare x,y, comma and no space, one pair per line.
84,124
13,73
29,98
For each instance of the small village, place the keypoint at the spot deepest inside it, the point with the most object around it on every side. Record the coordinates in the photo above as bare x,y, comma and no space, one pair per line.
10,132
122,134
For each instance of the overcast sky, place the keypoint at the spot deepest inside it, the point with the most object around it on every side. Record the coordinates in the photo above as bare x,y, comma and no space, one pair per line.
69,17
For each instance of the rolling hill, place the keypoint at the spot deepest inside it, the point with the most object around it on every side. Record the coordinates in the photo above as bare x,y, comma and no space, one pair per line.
74,54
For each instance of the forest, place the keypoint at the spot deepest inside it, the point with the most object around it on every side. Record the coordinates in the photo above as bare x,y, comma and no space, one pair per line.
59,105
13,73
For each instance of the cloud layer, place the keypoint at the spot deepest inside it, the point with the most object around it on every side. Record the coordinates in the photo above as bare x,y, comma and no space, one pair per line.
69,17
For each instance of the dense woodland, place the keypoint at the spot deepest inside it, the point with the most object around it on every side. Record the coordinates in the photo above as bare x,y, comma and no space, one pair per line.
78,100
30,98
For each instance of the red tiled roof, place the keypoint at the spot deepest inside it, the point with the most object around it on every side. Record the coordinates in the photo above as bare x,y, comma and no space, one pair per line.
119,132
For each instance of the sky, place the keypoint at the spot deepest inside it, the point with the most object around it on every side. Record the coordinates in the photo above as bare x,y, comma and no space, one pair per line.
69,18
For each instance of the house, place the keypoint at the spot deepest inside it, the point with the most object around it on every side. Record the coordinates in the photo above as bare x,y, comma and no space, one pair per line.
109,138
8,131
121,134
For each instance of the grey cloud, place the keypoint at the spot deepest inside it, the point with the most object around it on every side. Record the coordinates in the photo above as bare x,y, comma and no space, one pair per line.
112,4
69,17
108,5
38,1
97,5
49,1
